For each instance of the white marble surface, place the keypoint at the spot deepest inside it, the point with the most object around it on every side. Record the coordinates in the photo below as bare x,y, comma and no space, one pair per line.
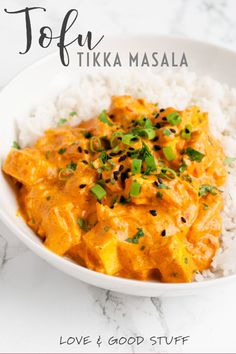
38,304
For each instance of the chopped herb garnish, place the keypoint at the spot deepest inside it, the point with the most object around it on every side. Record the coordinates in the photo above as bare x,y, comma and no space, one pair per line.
62,151
194,155
182,167
136,237
135,189
185,260
206,188
82,224
95,144
15,145
136,166
169,153
205,206
229,160
106,228
150,163
98,191
72,166
186,132
72,114
159,195
129,139
166,132
174,118
103,117
142,248
62,121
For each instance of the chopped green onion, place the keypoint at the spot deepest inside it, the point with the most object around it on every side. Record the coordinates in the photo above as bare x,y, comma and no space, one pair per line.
129,139
72,166
65,173
136,166
95,144
182,167
116,139
174,118
167,173
61,121
144,122
229,160
169,153
194,155
148,133
166,132
136,237
162,186
103,117
159,195
72,114
98,191
61,151
106,228
206,188
135,189
186,132
82,224
205,206
15,145
150,163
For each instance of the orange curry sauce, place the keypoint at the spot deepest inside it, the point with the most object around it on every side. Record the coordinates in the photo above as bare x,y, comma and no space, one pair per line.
133,193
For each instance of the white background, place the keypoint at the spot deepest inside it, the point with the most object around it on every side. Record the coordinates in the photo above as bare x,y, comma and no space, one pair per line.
38,304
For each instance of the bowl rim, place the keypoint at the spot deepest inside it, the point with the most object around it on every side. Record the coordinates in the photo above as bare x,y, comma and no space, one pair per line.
65,264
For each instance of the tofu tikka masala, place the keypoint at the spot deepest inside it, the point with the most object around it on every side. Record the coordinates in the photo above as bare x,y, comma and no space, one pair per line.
132,193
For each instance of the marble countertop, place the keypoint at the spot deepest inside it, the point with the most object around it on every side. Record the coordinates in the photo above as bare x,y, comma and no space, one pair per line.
40,306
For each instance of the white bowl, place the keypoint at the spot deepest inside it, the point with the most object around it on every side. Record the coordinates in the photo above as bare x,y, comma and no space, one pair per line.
27,87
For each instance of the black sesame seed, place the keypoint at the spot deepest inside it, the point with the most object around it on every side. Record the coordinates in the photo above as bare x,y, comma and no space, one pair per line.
159,180
172,130
124,176
86,151
163,233
80,149
122,158
82,186
156,138
187,131
115,174
108,180
112,154
162,110
156,147
156,184
164,118
153,212
158,125
85,162
183,219
121,167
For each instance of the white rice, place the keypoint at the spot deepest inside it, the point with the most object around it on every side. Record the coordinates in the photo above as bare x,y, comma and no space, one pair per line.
92,93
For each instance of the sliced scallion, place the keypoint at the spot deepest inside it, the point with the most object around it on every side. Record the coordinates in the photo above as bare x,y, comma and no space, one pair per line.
174,118
169,153
103,117
136,166
98,191
95,144
135,189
